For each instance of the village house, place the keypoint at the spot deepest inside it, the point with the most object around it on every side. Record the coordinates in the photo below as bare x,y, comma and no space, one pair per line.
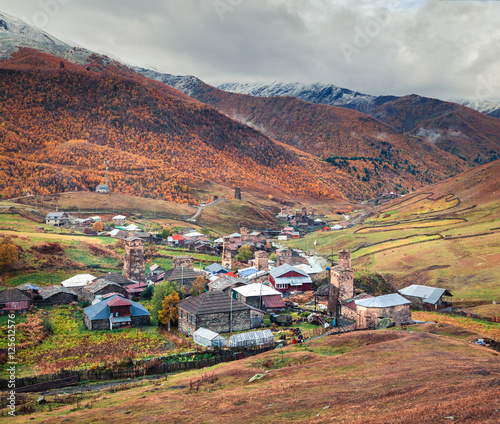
155,270
182,275
428,298
371,310
135,290
57,219
32,290
116,278
118,234
101,287
260,296
119,220
225,283
178,239
215,311
287,278
58,295
12,299
115,312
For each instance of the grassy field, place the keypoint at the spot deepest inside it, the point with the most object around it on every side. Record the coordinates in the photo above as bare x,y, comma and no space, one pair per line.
73,346
447,237
365,377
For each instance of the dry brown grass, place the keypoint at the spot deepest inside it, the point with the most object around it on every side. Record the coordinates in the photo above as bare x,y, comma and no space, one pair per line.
386,377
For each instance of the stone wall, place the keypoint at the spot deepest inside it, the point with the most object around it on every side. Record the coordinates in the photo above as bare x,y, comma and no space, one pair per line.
218,322
186,261
226,254
369,317
344,257
61,299
261,260
343,279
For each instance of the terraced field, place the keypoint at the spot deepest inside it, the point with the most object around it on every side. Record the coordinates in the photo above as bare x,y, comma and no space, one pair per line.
446,236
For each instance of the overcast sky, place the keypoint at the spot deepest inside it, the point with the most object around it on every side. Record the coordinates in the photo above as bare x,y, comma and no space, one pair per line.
438,48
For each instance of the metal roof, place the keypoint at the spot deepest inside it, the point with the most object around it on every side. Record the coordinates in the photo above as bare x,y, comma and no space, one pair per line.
119,217
283,269
430,295
79,280
256,289
216,268
28,286
58,215
100,310
247,271
235,235
385,301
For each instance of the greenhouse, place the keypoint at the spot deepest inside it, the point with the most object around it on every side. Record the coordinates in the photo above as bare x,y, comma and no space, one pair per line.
253,338
208,338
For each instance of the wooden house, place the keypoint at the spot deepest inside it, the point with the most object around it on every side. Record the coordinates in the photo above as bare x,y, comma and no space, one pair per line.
287,278
12,299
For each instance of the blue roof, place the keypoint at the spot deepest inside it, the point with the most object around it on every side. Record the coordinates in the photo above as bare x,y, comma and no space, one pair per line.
100,310
248,272
216,268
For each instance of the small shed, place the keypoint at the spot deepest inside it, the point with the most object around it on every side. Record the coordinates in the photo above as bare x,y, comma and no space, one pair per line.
208,338
252,338
58,295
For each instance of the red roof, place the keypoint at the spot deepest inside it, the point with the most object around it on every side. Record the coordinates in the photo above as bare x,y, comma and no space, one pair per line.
105,296
231,274
119,301
136,288
274,301
177,237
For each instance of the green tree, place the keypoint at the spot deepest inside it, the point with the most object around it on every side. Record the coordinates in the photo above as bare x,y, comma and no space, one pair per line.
198,286
272,257
205,231
166,232
169,311
9,254
244,253
161,291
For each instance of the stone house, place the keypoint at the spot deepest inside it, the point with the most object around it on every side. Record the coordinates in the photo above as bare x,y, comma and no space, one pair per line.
31,290
57,219
119,220
155,270
77,282
58,295
115,312
371,310
101,287
182,275
428,298
214,310
186,261
12,299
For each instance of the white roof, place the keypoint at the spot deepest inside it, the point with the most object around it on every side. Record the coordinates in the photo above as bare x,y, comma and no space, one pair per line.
256,289
119,217
132,227
219,240
207,334
234,235
385,301
79,280
193,234
95,218
114,232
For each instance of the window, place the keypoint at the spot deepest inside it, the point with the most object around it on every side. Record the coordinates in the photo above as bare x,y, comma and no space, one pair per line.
182,313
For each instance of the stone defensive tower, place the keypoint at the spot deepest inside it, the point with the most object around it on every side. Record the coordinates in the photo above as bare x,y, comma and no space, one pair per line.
245,235
344,258
237,193
226,253
133,265
261,260
342,276
283,256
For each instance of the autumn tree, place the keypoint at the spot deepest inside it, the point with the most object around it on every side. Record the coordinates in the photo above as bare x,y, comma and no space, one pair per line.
8,253
244,253
97,227
198,286
169,312
161,291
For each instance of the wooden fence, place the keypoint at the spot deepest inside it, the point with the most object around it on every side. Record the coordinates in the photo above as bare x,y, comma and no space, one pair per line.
470,314
152,367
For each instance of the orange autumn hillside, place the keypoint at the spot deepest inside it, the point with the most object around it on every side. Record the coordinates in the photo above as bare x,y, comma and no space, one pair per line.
61,122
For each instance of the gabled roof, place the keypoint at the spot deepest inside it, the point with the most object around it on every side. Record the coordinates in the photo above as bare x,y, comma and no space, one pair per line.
212,302
207,334
13,295
28,286
119,217
193,234
177,237
154,267
273,302
385,301
50,291
78,280
119,301
235,235
216,268
284,269
430,295
116,278
55,215
247,271
181,272
100,310
256,289
99,284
